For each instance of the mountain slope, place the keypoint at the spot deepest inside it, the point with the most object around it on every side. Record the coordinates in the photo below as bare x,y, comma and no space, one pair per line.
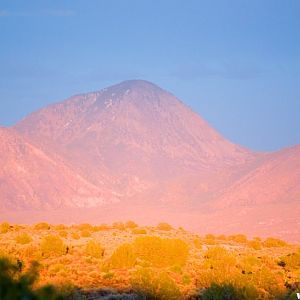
29,178
144,155
137,140
275,180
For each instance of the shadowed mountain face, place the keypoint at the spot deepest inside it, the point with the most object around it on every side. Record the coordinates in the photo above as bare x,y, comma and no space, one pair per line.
139,147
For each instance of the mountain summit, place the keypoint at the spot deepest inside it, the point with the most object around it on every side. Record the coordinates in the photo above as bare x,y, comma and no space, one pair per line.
136,139
133,150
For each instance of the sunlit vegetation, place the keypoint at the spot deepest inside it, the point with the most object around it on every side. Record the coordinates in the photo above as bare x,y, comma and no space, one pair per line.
23,238
159,262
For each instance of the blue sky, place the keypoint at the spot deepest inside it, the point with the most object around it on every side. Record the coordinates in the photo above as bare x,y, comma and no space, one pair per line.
235,62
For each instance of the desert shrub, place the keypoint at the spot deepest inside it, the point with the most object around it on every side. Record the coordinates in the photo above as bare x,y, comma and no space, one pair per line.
119,226
108,275
85,233
254,244
292,260
4,227
238,238
101,227
210,239
42,226
52,245
130,224
197,243
85,226
123,257
219,266
273,242
61,227
63,233
186,279
139,231
23,239
15,284
161,252
94,249
155,285
164,226
222,237
75,236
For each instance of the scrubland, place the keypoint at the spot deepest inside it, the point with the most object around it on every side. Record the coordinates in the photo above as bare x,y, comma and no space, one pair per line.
127,261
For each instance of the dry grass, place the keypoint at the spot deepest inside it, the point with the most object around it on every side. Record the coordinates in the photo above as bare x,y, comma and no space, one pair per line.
172,262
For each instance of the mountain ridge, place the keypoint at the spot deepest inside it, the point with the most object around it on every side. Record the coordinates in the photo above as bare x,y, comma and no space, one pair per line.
141,148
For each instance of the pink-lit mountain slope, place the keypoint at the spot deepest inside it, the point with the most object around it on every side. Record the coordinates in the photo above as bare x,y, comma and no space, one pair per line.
29,178
139,141
138,152
275,180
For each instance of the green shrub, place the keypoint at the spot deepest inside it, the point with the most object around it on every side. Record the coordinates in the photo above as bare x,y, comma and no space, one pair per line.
229,292
52,245
23,239
94,249
14,284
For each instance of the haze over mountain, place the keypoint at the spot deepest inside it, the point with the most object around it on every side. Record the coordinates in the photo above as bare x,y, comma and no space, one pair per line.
138,151
30,178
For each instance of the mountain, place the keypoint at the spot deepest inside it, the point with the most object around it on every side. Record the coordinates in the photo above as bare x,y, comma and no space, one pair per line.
275,180
135,151
30,178
138,140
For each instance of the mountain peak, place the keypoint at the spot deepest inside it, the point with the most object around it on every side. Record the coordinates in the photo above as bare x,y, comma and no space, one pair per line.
137,84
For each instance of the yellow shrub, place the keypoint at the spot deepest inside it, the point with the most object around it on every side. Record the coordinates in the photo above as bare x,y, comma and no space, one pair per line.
85,233
254,244
23,238
155,285
130,224
273,242
85,226
123,257
161,252
197,243
42,226
61,227
164,227
119,226
139,231
52,245
94,249
4,227
238,238
75,236
63,233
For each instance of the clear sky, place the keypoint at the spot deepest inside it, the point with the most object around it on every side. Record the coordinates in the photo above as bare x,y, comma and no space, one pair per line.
235,62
